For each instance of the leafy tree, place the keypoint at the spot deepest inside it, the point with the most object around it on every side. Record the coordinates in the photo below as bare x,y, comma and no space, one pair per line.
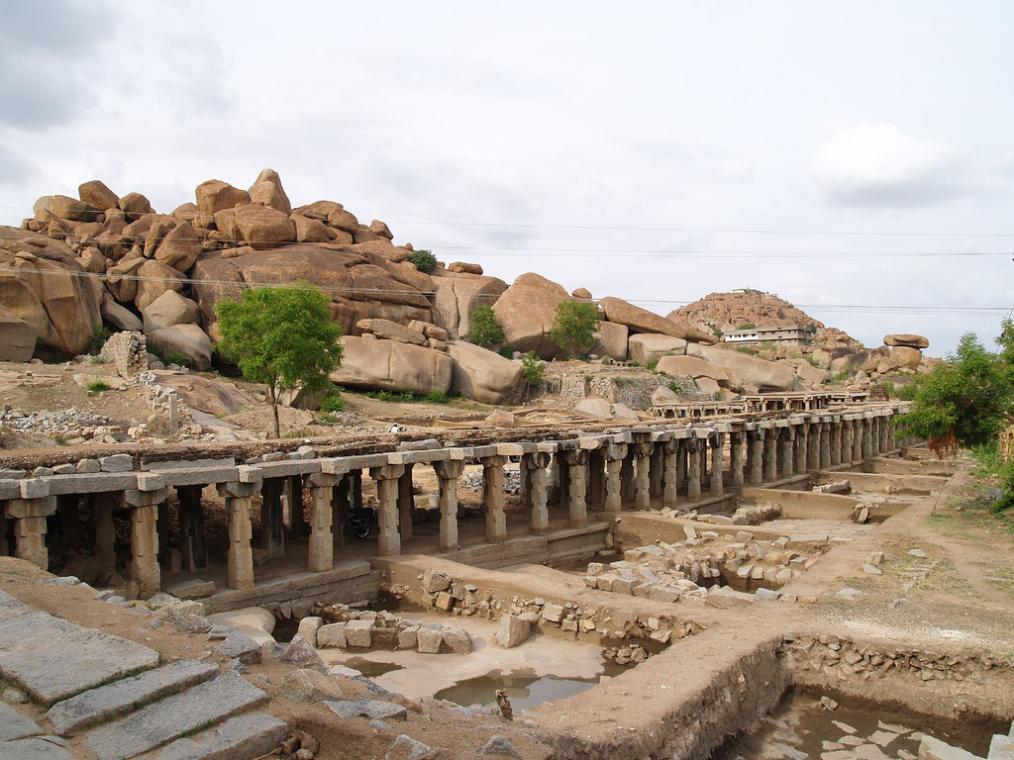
486,331
574,327
968,398
424,260
282,337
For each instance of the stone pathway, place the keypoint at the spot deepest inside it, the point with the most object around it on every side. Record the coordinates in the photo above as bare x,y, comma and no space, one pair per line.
110,695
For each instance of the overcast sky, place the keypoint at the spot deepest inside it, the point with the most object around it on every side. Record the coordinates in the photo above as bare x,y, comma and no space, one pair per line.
586,141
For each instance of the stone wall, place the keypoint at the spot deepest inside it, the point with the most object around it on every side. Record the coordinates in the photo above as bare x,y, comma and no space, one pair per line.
127,351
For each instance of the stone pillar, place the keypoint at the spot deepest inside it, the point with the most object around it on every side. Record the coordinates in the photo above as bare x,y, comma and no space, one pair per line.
238,503
885,434
800,450
105,532
681,461
272,518
194,547
356,488
577,464
406,503
144,568
867,450
736,458
30,528
846,441
616,455
341,506
320,547
813,450
642,493
756,443
297,510
693,470
825,445
857,441
875,436
448,471
771,455
835,443
535,467
787,437
386,477
496,518
657,469
670,485
627,485
596,479
717,443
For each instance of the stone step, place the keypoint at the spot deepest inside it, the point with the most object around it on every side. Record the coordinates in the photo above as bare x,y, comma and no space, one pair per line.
35,748
173,717
53,659
121,697
244,737
14,725
11,607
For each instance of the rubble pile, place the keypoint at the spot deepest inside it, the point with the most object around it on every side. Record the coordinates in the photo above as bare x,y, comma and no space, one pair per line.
753,514
72,424
340,626
475,481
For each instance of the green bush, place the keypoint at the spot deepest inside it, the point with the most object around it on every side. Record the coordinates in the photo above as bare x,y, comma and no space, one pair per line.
533,369
574,327
436,397
98,386
486,331
100,334
332,403
746,326
424,260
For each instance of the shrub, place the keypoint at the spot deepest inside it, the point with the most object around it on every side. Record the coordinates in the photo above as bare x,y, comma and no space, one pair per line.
574,327
486,331
506,352
100,334
98,386
746,326
176,358
332,403
533,369
436,397
424,260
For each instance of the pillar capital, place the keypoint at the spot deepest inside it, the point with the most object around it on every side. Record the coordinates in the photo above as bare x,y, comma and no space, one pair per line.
575,457
322,480
614,451
145,498
538,460
237,490
449,469
43,507
387,472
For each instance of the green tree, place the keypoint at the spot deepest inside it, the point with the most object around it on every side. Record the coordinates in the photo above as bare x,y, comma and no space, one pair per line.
424,260
486,331
533,369
574,327
969,397
282,337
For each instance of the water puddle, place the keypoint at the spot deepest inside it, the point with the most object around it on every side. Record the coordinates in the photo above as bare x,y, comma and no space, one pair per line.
524,689
801,728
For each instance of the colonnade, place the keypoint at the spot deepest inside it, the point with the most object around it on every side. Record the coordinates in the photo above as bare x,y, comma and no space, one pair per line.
638,467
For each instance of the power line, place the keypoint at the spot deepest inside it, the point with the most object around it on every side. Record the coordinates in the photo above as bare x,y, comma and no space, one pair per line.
948,310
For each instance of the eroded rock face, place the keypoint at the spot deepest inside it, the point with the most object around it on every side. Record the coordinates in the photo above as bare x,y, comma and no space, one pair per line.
612,341
17,338
267,190
640,320
747,372
389,365
95,193
187,340
693,366
648,348
526,311
484,375
216,195
906,356
40,284
458,295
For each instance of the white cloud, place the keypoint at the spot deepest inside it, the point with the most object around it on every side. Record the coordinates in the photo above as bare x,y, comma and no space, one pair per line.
878,165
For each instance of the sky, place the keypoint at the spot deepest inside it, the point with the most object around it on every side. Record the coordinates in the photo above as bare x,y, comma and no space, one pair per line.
837,154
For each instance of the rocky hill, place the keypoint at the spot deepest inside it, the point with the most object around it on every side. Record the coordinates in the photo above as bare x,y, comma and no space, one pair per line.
102,262
725,312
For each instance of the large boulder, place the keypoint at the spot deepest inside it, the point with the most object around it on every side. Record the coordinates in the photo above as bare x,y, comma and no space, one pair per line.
64,207
484,375
910,340
267,190
41,283
153,279
310,230
526,311
458,295
748,372
262,226
190,341
341,219
385,328
215,195
648,348
692,366
170,309
906,356
180,247
119,316
96,194
640,320
17,338
135,205
810,375
611,341
358,288
388,365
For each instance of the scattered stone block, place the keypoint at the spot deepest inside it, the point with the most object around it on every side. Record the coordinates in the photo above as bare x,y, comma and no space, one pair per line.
116,463
308,628
374,709
457,640
251,735
552,613
35,748
307,685
429,640
332,635
299,652
434,581
407,748
14,725
408,638
498,745
872,569
240,647
358,633
513,630
192,589
934,749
